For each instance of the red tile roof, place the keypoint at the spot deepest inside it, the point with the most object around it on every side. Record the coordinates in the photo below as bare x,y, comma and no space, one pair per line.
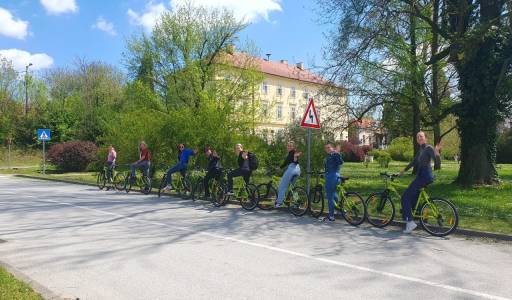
280,69
364,123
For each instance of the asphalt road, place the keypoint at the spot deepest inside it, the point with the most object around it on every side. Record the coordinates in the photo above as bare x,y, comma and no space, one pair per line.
83,243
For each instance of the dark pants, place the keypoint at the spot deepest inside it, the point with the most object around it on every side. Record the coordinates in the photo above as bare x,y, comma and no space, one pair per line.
211,174
111,165
177,168
411,194
143,165
237,173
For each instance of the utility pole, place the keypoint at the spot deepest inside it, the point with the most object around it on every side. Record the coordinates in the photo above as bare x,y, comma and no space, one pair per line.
26,87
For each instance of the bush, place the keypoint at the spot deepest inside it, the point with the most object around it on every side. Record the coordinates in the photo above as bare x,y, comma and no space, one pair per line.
401,149
72,156
376,153
384,159
353,153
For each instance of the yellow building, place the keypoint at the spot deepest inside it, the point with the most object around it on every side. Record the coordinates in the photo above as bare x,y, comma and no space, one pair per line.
285,93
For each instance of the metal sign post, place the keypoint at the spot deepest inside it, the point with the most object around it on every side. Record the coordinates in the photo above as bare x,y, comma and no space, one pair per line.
9,142
310,120
44,135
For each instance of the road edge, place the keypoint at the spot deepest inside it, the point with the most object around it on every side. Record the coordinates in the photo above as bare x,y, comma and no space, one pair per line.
46,293
459,231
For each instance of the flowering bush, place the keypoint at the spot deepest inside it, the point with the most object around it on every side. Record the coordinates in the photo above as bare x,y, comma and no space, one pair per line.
72,156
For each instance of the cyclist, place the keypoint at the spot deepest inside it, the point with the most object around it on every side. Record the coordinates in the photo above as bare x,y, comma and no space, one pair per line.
111,161
244,168
333,163
184,155
143,163
291,163
214,169
423,178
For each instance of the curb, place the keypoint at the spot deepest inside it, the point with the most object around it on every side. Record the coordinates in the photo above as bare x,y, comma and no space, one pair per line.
458,231
36,286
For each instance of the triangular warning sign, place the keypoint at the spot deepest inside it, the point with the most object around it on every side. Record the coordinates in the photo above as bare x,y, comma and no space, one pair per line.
310,118
44,136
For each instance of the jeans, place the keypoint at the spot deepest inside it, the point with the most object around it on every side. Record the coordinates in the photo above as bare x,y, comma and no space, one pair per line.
237,173
111,165
331,181
292,172
143,165
182,168
410,196
211,174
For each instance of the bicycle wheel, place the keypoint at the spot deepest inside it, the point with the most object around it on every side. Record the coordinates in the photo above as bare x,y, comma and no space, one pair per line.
197,189
439,217
119,182
128,183
217,193
266,196
145,185
101,181
187,188
163,183
298,201
380,210
248,198
316,202
353,209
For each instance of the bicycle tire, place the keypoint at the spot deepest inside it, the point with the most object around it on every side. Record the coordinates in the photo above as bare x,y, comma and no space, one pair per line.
101,181
128,183
353,209
252,199
452,220
163,183
218,193
298,201
197,189
380,210
119,182
145,185
187,188
266,196
316,202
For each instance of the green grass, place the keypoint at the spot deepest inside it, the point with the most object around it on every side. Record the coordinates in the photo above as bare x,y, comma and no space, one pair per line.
486,208
13,289
19,158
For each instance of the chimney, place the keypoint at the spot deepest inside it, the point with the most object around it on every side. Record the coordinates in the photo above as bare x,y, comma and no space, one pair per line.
284,61
300,65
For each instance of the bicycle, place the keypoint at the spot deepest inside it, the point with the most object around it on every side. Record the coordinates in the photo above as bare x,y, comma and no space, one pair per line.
216,187
438,216
296,199
244,193
316,198
181,185
350,204
143,182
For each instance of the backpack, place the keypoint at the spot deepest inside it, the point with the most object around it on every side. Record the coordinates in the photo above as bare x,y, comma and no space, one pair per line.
253,161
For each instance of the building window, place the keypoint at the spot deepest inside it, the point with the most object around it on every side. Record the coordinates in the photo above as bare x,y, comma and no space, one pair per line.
264,88
306,93
279,91
279,112
293,92
292,113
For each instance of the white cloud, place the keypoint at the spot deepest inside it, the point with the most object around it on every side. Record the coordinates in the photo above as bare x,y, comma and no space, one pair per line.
248,10
21,58
57,7
149,17
104,25
11,27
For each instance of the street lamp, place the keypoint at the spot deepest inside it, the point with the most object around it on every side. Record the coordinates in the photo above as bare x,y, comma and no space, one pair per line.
26,87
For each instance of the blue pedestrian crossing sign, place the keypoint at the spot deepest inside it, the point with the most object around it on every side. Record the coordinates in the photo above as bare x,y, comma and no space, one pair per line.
44,135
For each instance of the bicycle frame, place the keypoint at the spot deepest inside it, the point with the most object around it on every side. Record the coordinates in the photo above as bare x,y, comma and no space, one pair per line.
391,188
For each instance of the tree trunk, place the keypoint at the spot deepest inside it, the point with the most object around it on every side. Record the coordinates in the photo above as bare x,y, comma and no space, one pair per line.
435,79
415,84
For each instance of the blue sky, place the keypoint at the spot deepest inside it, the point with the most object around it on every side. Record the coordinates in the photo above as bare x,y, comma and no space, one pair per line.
52,33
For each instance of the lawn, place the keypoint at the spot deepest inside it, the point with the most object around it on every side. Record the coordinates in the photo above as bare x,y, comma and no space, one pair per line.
486,208
19,157
13,289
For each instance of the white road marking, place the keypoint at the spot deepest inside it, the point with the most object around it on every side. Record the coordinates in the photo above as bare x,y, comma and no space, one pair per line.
298,254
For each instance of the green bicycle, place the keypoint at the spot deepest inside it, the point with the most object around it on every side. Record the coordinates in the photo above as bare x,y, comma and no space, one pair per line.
438,216
216,188
350,204
181,185
142,181
103,180
296,198
243,192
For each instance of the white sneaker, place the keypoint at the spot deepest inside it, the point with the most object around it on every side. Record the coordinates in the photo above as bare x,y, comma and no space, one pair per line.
278,205
167,188
410,226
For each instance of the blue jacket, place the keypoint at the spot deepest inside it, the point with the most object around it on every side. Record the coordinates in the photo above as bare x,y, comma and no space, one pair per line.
185,156
333,163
